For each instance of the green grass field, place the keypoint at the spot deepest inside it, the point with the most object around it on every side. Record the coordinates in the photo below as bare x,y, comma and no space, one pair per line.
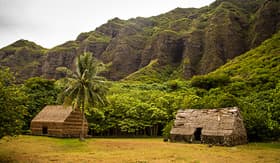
44,149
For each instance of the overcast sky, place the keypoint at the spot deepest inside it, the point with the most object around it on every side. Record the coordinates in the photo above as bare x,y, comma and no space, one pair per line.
52,22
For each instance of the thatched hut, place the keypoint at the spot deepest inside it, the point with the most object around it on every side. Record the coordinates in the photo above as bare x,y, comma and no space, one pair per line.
210,126
58,121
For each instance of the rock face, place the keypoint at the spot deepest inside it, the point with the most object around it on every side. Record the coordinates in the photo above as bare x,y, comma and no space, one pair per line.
187,42
25,58
60,56
210,126
267,22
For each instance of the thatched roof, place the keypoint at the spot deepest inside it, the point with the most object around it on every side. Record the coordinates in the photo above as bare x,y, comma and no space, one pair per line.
213,121
53,113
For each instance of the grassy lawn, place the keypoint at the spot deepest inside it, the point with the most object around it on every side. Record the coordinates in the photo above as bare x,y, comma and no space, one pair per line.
45,149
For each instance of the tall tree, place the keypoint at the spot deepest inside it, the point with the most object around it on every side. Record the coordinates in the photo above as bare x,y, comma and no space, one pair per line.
84,88
12,101
40,92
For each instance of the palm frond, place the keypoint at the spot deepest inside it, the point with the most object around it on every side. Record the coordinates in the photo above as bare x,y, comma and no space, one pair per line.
84,86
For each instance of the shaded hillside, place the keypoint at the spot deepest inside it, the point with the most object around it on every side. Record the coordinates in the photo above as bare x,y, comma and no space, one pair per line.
182,42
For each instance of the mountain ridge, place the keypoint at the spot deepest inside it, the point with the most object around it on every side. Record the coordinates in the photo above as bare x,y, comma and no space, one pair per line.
187,42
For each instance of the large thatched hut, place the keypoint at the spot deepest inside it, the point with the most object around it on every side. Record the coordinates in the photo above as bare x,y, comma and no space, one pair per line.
210,126
58,121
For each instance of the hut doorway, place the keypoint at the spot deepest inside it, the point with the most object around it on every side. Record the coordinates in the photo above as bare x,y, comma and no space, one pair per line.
45,130
197,134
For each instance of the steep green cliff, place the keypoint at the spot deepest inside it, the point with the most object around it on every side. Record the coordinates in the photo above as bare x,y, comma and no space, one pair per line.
183,42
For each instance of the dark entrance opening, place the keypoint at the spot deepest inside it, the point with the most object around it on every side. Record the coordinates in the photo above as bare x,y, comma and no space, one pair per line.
45,130
197,134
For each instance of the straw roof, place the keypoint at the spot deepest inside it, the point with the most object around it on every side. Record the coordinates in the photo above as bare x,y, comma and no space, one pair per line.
220,122
53,113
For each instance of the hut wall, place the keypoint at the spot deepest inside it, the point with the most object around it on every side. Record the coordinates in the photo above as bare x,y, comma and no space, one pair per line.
53,128
72,126
233,133
181,138
239,135
225,140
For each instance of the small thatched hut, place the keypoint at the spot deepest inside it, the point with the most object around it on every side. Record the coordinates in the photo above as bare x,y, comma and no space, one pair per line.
210,126
58,121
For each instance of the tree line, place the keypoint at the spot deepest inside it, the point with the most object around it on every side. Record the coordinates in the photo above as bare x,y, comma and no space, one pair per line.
141,109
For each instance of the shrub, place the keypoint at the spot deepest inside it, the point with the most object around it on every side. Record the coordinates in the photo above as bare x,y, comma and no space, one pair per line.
210,81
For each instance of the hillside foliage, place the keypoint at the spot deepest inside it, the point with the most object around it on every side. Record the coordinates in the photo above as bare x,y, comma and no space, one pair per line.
137,108
184,42
157,62
12,105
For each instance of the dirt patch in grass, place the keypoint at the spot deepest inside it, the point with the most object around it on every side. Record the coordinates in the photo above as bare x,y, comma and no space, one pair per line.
45,149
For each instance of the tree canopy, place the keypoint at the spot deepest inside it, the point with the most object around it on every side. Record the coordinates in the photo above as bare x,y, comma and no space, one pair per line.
12,105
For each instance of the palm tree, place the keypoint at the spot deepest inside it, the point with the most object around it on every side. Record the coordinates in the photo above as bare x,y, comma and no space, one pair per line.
84,88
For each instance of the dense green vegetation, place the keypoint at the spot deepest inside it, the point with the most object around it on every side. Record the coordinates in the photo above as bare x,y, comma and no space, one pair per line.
138,109
12,105
252,82
20,103
147,107
39,92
